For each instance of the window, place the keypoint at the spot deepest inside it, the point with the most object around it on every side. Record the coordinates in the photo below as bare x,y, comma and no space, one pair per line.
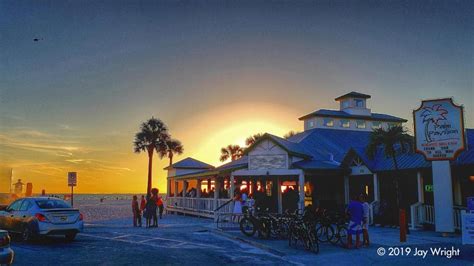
345,123
52,204
345,104
360,123
25,206
392,124
15,206
359,102
376,125
311,124
328,122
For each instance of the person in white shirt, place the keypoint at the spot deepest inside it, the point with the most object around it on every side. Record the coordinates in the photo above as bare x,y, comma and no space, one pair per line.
365,221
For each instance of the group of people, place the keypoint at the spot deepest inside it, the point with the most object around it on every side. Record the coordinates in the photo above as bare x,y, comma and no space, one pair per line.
358,211
150,208
193,193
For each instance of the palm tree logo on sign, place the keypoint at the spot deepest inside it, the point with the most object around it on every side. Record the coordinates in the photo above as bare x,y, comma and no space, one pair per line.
439,129
432,115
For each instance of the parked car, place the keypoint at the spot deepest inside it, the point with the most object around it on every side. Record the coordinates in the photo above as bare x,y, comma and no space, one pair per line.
6,253
41,216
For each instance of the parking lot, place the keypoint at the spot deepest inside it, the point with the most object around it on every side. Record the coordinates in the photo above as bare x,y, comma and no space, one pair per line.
186,240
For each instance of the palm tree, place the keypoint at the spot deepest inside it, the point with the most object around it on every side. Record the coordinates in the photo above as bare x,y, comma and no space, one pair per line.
290,134
252,139
393,140
233,152
172,147
432,115
152,137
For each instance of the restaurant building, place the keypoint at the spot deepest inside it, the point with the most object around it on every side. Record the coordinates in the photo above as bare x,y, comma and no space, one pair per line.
325,164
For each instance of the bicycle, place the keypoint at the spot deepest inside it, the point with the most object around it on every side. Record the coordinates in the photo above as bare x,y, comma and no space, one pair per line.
250,224
303,230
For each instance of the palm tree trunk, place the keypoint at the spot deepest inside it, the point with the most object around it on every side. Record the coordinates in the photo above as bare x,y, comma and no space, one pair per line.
170,155
150,166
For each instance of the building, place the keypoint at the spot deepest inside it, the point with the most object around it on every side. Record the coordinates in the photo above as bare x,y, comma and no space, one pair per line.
326,164
353,114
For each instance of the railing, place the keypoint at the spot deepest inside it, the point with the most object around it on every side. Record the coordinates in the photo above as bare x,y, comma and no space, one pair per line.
422,214
196,206
457,216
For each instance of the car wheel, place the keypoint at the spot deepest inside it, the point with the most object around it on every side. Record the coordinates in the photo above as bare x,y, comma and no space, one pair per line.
70,236
26,235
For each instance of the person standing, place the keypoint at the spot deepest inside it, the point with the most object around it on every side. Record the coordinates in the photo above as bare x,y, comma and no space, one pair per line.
356,212
237,205
365,219
137,219
159,204
142,204
153,206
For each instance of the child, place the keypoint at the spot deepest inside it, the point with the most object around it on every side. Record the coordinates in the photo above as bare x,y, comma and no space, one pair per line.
356,212
137,219
365,221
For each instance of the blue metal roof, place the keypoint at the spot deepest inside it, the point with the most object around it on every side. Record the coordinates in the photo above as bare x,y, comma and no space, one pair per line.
191,164
320,165
323,144
342,114
290,146
467,156
241,162
353,94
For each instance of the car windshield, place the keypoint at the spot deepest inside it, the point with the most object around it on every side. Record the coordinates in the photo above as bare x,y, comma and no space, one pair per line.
52,204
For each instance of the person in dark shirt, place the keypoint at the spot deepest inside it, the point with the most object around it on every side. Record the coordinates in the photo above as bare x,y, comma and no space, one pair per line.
137,218
356,213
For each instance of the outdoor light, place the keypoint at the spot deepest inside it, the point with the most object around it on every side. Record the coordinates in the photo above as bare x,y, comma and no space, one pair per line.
471,178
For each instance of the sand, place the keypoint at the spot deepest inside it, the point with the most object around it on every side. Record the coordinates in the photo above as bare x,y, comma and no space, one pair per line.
94,210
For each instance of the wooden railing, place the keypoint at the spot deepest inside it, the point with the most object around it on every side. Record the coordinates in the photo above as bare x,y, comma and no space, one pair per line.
422,214
197,206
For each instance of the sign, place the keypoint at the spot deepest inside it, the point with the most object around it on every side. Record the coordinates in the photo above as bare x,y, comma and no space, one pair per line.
470,204
467,228
429,188
72,179
439,129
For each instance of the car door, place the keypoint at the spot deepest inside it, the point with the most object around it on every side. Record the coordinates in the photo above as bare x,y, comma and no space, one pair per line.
9,220
22,216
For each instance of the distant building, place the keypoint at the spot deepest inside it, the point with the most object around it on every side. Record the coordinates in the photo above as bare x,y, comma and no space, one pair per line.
29,189
353,114
18,187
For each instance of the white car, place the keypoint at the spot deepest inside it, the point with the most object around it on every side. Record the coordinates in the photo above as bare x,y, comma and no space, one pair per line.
6,253
41,216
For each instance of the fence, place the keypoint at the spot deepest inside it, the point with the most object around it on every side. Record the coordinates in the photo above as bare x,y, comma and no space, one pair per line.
422,214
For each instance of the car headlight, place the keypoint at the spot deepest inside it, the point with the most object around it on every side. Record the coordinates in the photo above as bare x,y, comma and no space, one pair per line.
5,240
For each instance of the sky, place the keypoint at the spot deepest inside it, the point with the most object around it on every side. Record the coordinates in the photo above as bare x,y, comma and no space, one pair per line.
214,71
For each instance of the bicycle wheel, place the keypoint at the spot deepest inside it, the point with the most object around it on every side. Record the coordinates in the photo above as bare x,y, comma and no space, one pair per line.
342,235
292,239
247,227
314,242
283,229
325,233
265,230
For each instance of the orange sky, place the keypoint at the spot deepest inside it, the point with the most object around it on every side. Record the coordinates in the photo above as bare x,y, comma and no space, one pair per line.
114,168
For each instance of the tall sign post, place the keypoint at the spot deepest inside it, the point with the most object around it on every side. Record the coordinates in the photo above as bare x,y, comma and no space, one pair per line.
72,182
439,136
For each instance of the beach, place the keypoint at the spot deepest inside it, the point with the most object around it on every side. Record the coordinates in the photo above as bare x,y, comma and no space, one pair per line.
101,207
